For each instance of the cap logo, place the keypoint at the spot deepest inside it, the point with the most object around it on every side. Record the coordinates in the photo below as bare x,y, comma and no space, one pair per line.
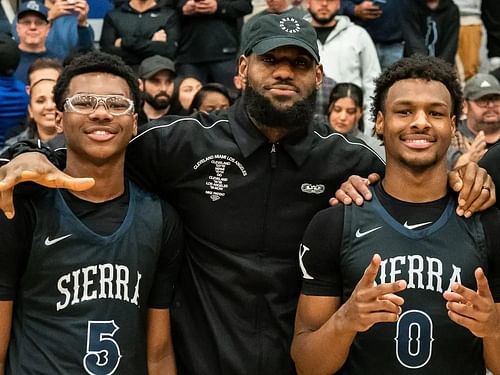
33,6
290,25
485,84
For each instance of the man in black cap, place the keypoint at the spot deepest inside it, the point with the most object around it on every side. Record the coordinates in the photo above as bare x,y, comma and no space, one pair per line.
32,27
246,182
13,97
156,75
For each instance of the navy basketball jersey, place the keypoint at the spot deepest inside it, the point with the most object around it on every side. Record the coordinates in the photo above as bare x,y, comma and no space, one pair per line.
424,340
83,299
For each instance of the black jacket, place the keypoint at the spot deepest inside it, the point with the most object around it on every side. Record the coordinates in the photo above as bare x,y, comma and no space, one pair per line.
136,29
430,32
214,37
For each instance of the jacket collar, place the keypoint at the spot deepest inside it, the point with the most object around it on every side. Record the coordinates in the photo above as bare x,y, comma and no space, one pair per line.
249,138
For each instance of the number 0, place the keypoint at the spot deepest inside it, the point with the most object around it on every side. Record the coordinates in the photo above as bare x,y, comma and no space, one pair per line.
414,339
103,353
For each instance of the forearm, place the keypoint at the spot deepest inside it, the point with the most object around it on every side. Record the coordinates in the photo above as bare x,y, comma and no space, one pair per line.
325,350
165,365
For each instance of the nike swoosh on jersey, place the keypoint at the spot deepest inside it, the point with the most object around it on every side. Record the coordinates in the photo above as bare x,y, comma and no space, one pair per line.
49,242
360,234
408,226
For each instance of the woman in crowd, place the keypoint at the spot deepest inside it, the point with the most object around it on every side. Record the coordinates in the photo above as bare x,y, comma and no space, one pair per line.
185,88
41,114
211,97
345,114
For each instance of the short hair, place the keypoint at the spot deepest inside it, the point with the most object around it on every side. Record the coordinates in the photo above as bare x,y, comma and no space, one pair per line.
418,67
200,96
44,63
96,62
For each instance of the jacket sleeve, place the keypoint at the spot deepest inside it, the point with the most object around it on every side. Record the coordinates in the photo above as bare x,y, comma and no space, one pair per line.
85,38
108,37
370,66
146,47
233,8
449,35
347,8
412,29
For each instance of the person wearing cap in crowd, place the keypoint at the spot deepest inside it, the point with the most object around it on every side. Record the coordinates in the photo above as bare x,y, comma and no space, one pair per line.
32,28
13,97
70,30
245,182
156,75
481,127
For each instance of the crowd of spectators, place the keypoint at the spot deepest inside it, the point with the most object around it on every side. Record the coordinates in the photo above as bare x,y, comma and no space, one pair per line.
179,47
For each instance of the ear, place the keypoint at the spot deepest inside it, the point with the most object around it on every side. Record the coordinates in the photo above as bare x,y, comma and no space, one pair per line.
243,68
30,113
453,124
379,124
141,84
319,76
59,122
134,130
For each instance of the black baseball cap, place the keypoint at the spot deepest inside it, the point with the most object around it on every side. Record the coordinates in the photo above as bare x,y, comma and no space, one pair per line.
276,30
10,55
33,6
154,64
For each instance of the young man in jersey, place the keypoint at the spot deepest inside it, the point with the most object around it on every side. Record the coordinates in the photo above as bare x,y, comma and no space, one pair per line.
424,303
86,278
246,182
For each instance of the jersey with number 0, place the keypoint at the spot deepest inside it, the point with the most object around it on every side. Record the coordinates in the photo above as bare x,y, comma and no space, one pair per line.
83,298
424,340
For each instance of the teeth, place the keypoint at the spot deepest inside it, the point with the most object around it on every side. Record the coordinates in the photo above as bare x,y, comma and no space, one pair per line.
100,132
417,141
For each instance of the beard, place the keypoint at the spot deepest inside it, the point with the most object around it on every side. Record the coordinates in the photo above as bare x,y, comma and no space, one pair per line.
296,117
323,21
159,101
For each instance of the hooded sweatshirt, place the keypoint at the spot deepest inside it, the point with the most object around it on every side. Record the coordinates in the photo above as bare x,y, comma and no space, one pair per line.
430,32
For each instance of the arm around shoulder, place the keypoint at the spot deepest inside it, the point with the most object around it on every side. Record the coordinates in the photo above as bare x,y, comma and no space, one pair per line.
160,351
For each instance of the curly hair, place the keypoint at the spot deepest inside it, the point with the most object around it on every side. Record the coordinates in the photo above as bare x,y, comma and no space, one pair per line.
417,67
96,62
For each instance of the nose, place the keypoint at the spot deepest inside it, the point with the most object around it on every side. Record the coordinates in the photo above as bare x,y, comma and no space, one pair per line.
420,120
283,71
101,112
342,115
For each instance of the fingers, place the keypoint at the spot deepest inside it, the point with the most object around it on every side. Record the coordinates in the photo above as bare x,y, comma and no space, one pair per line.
334,201
354,189
7,203
473,179
393,298
58,179
483,288
370,272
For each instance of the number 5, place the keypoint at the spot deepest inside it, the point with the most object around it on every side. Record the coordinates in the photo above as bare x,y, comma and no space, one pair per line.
103,353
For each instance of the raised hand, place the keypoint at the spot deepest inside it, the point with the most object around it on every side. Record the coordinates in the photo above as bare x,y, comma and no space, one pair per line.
370,303
474,310
35,167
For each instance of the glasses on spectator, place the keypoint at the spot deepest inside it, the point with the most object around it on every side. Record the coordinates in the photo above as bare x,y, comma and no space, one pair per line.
486,100
86,104
27,23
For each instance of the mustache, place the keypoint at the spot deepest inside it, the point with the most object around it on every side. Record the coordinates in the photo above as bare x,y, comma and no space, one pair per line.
162,93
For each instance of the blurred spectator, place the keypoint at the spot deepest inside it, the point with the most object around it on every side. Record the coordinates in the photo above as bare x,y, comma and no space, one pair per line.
430,28
156,75
185,88
44,68
345,113
69,27
140,29
211,97
490,13
32,28
4,21
381,18
481,128
13,97
469,39
42,114
347,51
273,6
210,38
